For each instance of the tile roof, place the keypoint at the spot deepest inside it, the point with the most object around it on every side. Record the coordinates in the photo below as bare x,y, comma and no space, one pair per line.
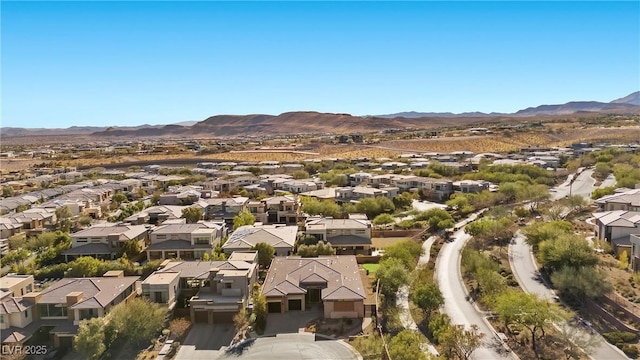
339,274
278,236
102,289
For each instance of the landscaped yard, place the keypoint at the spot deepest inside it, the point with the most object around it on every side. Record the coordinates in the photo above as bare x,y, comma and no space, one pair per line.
371,268
381,243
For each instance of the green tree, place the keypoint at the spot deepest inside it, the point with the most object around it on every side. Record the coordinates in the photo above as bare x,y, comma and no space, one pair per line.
244,217
543,231
407,251
403,201
15,257
90,341
383,219
392,274
119,198
581,282
428,298
131,248
527,310
460,343
7,191
259,309
407,345
375,206
139,320
192,214
566,250
266,253
300,174
84,266
598,193
63,218
437,219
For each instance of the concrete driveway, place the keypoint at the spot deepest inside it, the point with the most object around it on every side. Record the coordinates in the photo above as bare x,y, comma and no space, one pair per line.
290,322
205,341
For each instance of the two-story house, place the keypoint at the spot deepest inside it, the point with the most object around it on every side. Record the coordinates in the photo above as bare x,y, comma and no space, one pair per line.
222,208
347,236
441,189
215,290
354,194
105,241
280,236
60,307
333,282
185,241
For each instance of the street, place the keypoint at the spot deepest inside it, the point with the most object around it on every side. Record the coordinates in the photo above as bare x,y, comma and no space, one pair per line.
460,310
525,271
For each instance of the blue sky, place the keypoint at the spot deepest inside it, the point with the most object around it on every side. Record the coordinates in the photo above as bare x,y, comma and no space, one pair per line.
131,63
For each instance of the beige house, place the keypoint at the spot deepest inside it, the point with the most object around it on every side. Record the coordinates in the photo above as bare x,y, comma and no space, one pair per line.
334,282
185,241
16,285
60,307
162,288
281,237
347,236
214,290
105,241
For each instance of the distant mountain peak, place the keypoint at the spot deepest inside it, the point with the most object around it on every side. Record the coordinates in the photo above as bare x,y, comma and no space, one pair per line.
633,99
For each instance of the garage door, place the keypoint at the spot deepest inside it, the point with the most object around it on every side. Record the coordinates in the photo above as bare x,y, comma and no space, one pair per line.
295,305
223,317
274,307
201,316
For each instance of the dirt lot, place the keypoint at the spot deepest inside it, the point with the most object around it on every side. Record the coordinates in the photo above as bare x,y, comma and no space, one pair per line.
381,243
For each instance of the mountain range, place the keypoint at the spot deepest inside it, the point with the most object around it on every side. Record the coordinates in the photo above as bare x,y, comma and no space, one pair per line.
315,122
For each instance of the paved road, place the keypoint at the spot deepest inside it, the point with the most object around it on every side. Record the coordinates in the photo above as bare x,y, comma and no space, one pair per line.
456,306
583,185
526,272
292,347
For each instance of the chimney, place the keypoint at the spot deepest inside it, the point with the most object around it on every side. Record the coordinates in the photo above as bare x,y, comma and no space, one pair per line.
114,273
74,298
32,298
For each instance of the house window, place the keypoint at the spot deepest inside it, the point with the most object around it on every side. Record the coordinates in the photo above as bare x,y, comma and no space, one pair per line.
227,285
202,241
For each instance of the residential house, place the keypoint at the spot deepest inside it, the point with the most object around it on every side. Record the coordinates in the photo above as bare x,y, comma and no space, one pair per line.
222,208
441,189
282,210
156,215
185,241
348,236
280,236
301,186
470,186
162,287
105,241
60,307
354,194
628,200
17,285
616,227
333,282
215,290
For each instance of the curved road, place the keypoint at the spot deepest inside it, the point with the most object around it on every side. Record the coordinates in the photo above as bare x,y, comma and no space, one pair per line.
460,310
526,271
